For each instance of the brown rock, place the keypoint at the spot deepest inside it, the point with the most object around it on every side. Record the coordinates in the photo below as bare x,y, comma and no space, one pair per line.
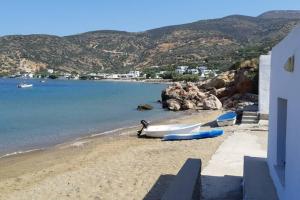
225,92
222,80
143,107
173,104
188,104
212,103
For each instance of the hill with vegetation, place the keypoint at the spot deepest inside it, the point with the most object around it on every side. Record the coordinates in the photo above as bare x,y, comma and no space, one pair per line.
216,43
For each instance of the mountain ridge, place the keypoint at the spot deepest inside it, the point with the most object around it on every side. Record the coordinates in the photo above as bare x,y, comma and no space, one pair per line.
216,43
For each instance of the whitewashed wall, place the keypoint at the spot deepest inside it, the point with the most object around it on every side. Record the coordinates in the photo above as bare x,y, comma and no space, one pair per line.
264,84
286,85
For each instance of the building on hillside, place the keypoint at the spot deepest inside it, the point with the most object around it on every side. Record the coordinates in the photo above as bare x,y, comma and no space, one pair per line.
181,69
160,74
200,68
208,73
264,85
28,75
133,74
284,136
193,71
112,76
50,71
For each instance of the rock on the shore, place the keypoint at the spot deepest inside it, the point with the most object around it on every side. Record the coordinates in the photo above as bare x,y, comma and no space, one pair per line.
143,107
173,104
212,103
222,80
188,104
231,89
186,97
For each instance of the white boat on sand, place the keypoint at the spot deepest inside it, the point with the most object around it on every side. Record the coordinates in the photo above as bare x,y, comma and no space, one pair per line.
24,85
159,131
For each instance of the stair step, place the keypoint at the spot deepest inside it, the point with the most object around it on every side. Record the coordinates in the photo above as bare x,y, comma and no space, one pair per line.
250,117
249,121
247,113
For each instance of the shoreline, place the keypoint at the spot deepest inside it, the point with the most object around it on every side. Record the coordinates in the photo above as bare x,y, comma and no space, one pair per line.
96,134
150,81
113,166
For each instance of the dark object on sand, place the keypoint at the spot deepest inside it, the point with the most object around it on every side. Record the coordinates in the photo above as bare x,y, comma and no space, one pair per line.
145,125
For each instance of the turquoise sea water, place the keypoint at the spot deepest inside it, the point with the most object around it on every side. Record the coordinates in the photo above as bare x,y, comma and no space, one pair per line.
57,110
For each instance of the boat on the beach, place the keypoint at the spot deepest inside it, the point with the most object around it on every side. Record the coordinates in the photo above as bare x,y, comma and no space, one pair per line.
227,119
193,136
159,131
25,85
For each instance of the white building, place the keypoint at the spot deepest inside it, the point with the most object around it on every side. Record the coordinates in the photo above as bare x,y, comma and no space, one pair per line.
134,74
264,85
202,68
193,71
112,76
159,74
208,73
284,135
181,69
50,71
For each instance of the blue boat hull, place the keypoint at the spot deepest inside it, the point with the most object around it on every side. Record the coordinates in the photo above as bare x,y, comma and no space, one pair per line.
198,135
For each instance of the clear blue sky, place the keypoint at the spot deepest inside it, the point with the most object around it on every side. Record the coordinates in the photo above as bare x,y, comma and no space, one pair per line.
65,17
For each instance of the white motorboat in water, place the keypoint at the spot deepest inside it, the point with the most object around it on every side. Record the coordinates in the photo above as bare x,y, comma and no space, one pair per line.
160,131
25,85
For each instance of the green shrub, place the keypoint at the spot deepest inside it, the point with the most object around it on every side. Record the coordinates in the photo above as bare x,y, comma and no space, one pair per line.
186,77
53,76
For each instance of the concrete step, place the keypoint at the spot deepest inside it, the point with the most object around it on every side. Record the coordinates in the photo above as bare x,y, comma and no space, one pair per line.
248,113
258,184
250,117
249,121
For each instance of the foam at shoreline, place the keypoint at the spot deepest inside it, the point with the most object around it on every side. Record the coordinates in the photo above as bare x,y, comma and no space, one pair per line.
72,142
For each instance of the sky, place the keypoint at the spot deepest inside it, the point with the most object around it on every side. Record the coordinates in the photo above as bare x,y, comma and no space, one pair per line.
67,17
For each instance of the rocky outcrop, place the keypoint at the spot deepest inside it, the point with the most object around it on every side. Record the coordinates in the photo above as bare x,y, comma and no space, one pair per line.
223,80
212,103
173,104
189,96
231,89
188,104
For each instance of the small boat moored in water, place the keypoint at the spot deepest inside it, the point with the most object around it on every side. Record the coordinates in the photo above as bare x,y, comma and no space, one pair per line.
24,85
227,119
159,131
193,136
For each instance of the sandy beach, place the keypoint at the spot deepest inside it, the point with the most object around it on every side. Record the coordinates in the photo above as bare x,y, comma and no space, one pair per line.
118,166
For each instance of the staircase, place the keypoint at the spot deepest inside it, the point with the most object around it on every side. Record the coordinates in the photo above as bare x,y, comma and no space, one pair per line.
249,117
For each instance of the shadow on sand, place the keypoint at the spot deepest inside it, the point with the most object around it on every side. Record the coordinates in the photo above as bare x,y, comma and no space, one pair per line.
212,187
160,187
221,187
212,124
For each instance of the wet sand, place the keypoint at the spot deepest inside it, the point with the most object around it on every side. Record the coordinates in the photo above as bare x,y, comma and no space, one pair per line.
118,166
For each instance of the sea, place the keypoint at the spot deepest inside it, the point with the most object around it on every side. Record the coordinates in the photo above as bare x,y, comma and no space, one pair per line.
55,111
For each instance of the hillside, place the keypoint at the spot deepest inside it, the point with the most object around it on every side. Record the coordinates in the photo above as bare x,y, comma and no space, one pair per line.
217,43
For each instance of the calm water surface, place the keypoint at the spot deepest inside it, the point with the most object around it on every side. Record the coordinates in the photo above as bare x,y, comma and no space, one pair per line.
57,110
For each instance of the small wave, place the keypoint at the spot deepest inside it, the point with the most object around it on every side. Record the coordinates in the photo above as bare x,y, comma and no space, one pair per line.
19,152
112,131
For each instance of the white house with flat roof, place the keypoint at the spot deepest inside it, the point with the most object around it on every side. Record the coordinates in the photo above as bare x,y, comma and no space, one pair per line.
193,71
264,85
133,74
284,130
181,69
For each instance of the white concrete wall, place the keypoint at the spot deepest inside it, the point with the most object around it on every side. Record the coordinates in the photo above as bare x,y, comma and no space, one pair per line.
264,83
286,85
